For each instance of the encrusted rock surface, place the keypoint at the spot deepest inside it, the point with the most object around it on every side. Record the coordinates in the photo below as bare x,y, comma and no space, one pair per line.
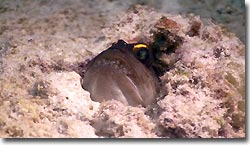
203,88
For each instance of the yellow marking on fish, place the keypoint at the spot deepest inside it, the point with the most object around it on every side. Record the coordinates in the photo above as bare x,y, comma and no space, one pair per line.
139,46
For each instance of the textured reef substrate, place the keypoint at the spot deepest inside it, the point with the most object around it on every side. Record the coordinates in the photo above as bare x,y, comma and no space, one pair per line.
203,88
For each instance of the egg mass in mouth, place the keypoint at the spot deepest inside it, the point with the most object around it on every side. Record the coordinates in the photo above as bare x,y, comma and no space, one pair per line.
118,73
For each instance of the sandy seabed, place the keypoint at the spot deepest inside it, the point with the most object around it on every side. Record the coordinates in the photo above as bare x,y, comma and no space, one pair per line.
41,95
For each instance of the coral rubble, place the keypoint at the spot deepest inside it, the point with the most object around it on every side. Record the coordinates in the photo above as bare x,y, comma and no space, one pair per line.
202,76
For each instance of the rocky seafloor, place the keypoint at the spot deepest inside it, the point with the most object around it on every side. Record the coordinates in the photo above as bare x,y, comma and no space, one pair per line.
203,89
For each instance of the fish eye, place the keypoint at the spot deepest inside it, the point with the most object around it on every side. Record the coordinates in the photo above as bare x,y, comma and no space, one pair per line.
141,52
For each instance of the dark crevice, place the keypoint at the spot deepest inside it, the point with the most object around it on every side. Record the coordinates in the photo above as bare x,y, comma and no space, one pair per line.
165,43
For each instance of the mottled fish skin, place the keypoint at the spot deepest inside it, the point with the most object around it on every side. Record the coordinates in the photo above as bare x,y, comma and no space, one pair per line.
117,74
